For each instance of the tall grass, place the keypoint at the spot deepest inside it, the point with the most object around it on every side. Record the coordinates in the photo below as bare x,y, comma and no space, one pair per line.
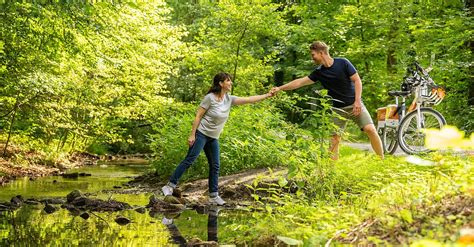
396,196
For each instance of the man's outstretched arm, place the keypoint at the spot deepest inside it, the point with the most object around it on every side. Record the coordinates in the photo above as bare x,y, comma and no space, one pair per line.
297,83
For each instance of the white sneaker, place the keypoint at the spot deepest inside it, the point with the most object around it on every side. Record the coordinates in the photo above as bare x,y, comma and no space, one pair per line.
167,190
167,221
216,201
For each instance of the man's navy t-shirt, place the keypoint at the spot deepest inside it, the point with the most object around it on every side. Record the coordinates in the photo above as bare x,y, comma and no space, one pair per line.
336,79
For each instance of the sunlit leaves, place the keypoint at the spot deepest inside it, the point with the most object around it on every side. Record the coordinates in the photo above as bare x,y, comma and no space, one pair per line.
236,37
406,215
104,62
447,138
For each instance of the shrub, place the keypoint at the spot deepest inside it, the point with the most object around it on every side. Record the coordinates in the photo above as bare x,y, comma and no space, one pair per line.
253,137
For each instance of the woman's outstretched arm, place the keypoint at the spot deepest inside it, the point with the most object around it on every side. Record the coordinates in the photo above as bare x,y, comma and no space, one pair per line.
251,99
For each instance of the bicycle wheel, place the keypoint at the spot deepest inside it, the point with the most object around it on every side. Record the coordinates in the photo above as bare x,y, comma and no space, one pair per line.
412,139
389,140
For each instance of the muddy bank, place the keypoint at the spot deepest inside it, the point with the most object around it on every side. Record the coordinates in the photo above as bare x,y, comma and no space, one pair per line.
34,165
18,163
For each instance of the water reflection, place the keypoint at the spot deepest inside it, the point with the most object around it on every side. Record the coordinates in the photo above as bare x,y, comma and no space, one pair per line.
176,236
30,225
103,177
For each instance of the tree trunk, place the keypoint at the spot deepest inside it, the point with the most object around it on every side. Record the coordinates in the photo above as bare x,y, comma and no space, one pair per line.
469,5
392,35
60,140
362,38
64,140
73,142
234,76
10,130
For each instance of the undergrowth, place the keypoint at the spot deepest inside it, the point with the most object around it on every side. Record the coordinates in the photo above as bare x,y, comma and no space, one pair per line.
364,200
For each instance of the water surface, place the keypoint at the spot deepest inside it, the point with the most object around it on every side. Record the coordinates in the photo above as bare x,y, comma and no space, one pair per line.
31,226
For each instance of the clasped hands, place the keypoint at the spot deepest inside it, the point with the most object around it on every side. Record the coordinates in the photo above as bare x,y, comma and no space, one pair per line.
273,91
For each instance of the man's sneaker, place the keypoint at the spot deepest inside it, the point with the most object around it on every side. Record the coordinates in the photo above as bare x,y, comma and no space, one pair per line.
167,190
216,201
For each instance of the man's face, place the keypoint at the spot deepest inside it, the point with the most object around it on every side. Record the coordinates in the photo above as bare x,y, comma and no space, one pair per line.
317,56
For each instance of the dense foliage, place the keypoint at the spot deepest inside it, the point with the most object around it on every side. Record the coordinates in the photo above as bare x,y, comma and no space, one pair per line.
125,77
78,74
81,75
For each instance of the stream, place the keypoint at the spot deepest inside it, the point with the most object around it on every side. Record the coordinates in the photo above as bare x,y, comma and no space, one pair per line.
30,225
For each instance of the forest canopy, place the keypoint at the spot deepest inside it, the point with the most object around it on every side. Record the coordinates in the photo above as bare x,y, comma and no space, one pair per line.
79,74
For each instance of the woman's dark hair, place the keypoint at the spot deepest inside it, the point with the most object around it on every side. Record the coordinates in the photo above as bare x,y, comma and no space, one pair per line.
218,78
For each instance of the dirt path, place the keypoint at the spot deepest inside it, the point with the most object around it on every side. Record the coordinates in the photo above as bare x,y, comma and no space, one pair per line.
367,147
399,151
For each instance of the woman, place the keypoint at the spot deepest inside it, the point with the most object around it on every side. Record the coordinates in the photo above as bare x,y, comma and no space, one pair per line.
210,119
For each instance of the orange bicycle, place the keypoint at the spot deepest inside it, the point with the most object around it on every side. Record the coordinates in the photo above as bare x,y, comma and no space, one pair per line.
398,126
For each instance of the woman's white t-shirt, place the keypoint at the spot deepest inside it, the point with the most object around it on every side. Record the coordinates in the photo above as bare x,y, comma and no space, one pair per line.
213,121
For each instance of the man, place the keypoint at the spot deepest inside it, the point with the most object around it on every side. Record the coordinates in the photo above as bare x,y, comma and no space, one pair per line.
343,83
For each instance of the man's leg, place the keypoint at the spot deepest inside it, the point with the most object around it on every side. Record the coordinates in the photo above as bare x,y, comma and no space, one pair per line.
340,120
365,123
374,138
334,148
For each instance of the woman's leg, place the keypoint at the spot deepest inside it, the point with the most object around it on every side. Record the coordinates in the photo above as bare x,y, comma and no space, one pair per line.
212,153
193,153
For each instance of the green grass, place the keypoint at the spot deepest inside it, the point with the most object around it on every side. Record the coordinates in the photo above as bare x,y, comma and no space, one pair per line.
395,196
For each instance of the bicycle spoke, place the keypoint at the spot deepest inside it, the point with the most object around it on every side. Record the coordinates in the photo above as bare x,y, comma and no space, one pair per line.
412,138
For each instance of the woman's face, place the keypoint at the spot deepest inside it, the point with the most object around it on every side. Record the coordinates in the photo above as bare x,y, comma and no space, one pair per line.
226,85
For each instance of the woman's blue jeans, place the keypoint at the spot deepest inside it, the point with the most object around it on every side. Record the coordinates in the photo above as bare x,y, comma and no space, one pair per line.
211,149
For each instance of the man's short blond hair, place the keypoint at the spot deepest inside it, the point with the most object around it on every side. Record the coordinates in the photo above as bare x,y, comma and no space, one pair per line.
319,46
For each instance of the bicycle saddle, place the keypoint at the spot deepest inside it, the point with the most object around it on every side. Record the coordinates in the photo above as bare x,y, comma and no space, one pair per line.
399,93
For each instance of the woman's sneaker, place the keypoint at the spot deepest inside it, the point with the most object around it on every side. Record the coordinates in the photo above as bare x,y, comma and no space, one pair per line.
167,190
216,201
167,221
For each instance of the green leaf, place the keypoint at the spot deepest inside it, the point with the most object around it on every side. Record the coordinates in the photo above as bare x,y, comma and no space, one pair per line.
269,209
406,215
290,241
282,182
255,197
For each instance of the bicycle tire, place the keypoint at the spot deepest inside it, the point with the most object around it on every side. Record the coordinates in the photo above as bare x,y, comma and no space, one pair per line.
389,140
412,140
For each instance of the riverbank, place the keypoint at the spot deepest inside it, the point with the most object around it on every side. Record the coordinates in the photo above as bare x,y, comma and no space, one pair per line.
33,165
17,162
233,188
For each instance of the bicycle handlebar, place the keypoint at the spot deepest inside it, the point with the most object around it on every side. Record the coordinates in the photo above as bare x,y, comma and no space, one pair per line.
419,68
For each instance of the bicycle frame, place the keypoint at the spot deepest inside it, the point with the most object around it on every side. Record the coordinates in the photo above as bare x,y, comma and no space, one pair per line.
418,84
